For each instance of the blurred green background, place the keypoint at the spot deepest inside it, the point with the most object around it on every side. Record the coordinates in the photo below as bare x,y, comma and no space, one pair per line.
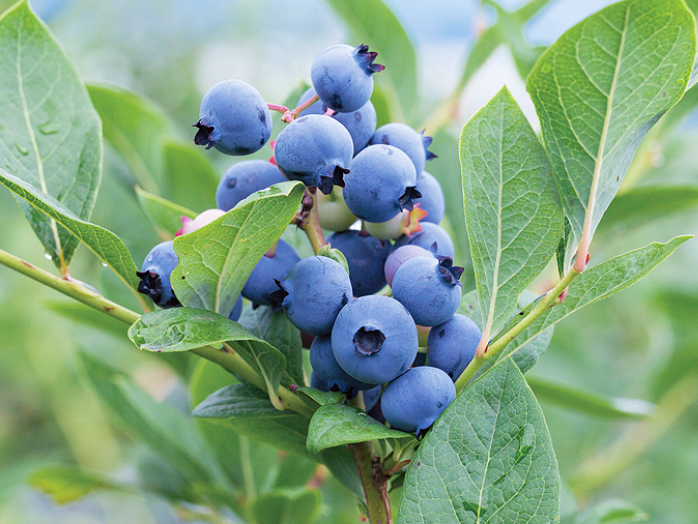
640,344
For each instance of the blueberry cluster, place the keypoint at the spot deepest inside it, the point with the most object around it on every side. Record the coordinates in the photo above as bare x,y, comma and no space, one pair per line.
363,340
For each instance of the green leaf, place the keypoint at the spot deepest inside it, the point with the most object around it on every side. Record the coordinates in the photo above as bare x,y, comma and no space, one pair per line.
135,129
182,329
512,211
599,282
373,23
600,88
191,180
588,401
647,204
612,511
488,458
323,397
163,213
216,260
50,135
334,254
563,255
164,429
237,400
106,245
66,484
336,424
275,328
287,506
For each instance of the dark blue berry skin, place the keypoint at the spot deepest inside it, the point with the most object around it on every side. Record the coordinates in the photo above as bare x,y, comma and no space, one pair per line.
317,383
325,366
315,290
420,360
262,280
430,234
365,256
371,397
316,150
429,291
408,140
374,339
237,310
413,401
155,275
343,76
233,118
432,199
452,345
245,178
361,123
399,256
381,183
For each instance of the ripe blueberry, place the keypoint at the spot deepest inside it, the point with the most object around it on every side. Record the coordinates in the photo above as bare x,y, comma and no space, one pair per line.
233,118
316,150
270,268
432,199
155,275
414,144
343,76
430,289
374,339
414,400
429,235
365,257
401,255
452,345
325,366
313,293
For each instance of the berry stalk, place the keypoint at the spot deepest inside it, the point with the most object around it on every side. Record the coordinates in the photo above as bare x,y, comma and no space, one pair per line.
309,220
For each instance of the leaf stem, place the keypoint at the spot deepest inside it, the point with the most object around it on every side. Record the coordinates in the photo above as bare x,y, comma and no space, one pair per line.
550,300
374,482
228,359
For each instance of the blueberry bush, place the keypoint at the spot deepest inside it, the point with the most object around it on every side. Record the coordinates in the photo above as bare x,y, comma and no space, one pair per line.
351,334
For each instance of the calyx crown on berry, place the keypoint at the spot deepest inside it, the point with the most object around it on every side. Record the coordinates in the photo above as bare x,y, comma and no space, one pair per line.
426,140
449,272
367,57
406,199
151,285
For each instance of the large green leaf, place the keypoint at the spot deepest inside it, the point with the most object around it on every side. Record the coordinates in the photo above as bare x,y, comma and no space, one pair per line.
599,89
371,22
182,329
488,458
589,402
50,135
511,205
237,400
66,484
275,328
136,130
164,429
613,511
106,245
163,213
216,260
336,424
599,282
191,180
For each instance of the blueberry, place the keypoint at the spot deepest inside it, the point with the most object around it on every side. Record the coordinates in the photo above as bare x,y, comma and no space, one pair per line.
325,366
452,345
430,289
237,310
233,118
318,383
365,256
313,293
155,275
245,178
262,281
361,123
414,144
343,76
371,397
401,255
429,235
316,150
333,212
432,199
374,339
381,183
414,400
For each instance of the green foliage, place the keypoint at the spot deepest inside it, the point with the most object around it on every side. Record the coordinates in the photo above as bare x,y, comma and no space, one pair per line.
600,88
287,506
165,215
65,485
488,458
50,133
